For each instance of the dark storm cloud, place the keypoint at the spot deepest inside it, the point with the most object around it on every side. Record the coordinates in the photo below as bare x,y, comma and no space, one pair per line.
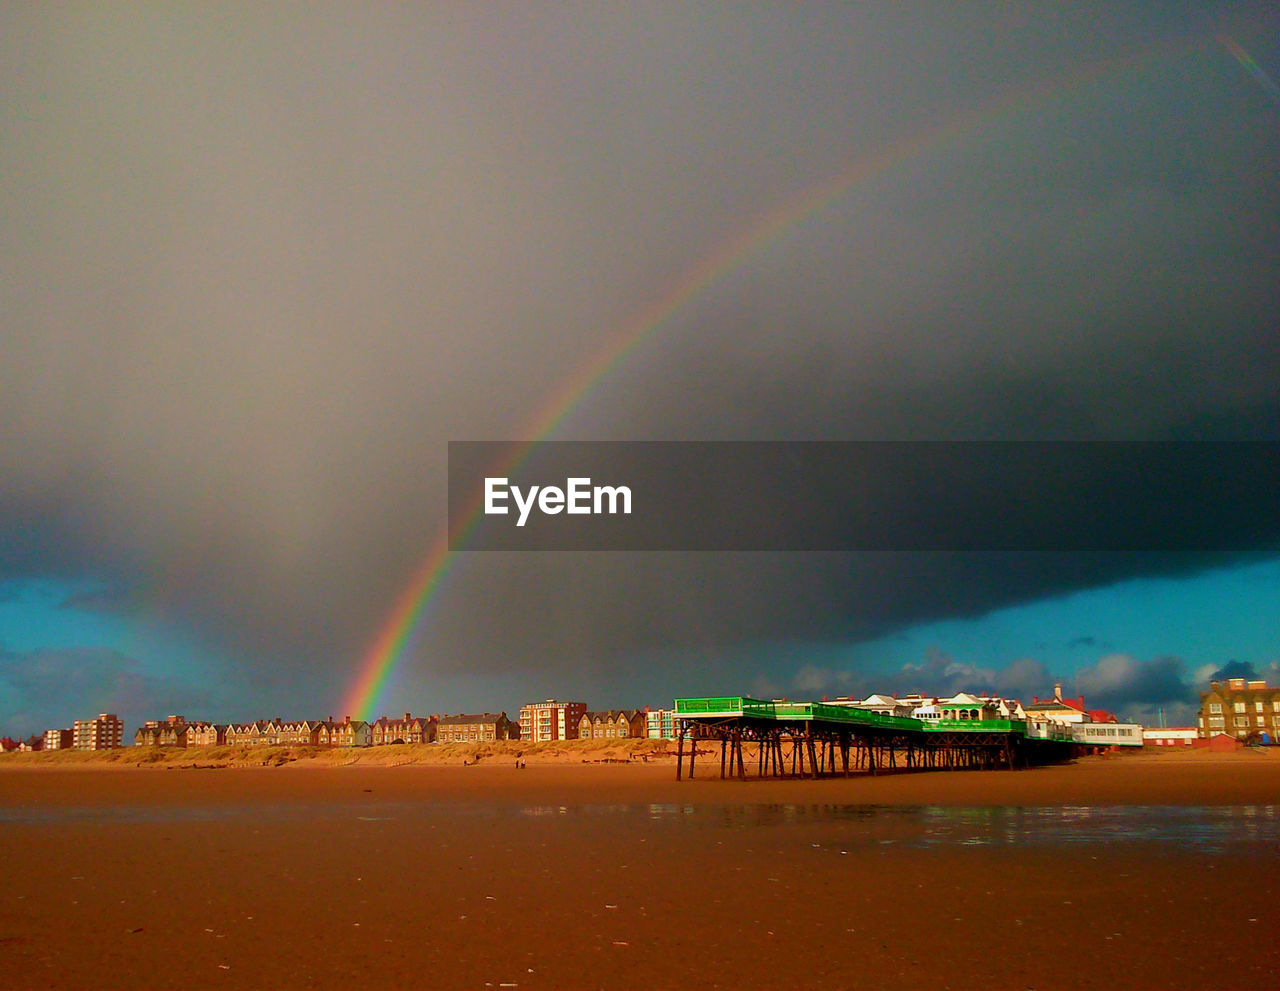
266,262
1235,669
1141,690
1117,680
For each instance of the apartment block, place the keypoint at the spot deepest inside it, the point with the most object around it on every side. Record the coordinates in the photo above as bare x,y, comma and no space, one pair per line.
101,733
58,739
661,724
551,720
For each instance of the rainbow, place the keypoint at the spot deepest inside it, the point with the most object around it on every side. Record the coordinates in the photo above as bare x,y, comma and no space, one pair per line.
379,663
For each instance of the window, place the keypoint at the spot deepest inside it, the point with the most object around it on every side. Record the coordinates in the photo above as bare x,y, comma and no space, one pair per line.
1242,720
1239,707
1257,706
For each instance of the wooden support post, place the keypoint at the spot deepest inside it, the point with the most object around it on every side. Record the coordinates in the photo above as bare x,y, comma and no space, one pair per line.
742,771
680,753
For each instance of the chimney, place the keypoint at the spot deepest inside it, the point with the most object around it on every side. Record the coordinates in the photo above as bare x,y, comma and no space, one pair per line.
330,719
406,717
346,720
1057,691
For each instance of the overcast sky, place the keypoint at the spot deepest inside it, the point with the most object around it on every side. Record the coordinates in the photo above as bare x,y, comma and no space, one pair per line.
262,262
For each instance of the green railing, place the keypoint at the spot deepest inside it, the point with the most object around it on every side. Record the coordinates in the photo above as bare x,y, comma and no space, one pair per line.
791,712
729,705
975,726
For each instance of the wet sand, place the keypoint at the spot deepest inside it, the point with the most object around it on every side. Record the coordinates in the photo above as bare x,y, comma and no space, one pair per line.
616,876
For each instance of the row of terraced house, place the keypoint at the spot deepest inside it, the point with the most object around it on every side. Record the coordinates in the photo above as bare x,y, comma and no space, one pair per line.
175,731
550,720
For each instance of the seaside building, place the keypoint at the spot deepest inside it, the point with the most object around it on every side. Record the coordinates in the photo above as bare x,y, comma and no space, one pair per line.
965,706
203,734
410,729
102,733
348,733
550,720
58,739
1057,709
1110,733
660,724
1174,736
171,732
479,728
613,724
1239,708
885,705
300,732
247,734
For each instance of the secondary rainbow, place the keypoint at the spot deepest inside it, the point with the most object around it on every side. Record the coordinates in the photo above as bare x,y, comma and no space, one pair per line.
380,661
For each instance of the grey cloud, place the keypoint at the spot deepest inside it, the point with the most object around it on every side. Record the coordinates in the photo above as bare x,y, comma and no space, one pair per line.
265,265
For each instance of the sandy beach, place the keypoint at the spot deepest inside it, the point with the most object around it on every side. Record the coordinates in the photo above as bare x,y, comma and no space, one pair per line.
1154,870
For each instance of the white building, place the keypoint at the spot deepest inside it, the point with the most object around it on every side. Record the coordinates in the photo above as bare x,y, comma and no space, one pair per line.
1107,734
1174,736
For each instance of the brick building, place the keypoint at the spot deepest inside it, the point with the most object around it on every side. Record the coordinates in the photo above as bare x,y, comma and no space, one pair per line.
102,733
478,728
551,720
58,739
1245,710
612,724
410,729
171,732
203,734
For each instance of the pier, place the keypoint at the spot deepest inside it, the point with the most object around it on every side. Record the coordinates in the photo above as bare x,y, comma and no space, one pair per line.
817,739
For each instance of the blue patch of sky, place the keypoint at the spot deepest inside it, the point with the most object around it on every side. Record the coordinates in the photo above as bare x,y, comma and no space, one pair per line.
34,616
40,614
1208,618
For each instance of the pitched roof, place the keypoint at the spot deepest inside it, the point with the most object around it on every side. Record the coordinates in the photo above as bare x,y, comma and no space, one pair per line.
470,718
